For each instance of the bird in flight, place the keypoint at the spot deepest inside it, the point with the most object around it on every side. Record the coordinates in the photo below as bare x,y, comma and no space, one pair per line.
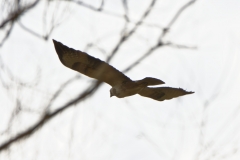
122,86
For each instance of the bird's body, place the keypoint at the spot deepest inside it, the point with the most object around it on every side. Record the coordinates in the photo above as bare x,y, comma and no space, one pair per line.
122,86
126,89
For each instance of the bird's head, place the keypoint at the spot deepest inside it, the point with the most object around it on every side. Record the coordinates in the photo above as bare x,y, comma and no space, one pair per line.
112,92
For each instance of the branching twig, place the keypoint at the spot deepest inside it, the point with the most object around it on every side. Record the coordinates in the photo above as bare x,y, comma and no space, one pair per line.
59,91
47,116
94,45
159,43
100,8
7,34
141,58
125,6
126,36
14,15
176,16
92,89
29,30
179,46
44,37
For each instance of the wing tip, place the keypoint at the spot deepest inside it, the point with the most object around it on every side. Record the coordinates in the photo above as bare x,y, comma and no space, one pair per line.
189,92
185,91
55,42
59,47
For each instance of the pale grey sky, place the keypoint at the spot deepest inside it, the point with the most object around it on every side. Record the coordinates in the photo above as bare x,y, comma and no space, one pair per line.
204,125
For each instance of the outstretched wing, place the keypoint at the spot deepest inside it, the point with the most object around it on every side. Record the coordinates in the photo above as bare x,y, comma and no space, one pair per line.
88,65
163,93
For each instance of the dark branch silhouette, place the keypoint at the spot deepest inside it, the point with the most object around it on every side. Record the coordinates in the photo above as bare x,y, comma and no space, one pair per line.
93,88
15,14
99,9
47,116
9,30
126,36
160,43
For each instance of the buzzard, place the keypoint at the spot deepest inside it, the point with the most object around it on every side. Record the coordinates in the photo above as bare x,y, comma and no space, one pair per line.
122,86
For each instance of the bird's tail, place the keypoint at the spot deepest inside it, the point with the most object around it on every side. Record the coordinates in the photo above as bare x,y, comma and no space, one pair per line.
149,81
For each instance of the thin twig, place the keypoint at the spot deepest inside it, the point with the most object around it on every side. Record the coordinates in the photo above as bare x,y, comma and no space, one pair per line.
7,34
100,8
29,30
48,116
125,6
126,36
176,16
60,89
159,43
179,46
13,16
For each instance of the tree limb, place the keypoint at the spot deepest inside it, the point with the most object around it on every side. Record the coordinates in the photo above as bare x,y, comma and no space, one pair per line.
160,43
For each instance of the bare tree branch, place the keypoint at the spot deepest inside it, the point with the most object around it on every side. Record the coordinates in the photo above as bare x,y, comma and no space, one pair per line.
179,46
125,6
29,30
100,8
176,16
94,45
7,34
141,58
160,43
44,37
49,31
92,89
15,14
60,89
47,116
126,36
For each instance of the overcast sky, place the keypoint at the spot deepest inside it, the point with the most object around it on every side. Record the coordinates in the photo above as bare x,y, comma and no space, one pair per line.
204,125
